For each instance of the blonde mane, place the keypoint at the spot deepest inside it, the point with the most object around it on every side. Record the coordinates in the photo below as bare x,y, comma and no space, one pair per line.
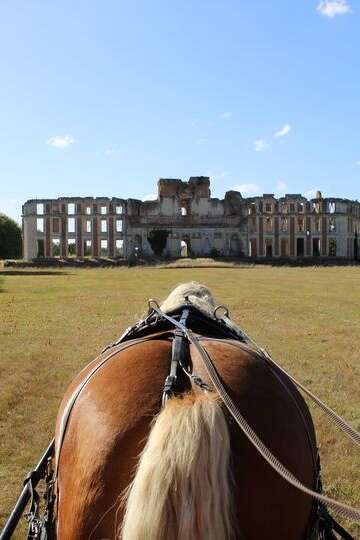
198,294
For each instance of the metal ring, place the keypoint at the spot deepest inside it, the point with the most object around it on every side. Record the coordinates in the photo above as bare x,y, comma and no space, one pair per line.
152,303
225,314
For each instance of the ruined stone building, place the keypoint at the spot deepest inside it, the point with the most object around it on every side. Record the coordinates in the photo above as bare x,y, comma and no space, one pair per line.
186,220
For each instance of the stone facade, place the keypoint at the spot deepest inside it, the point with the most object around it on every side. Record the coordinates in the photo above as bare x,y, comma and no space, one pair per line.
186,220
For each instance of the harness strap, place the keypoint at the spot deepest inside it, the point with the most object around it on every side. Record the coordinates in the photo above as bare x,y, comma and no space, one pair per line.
348,512
348,430
179,353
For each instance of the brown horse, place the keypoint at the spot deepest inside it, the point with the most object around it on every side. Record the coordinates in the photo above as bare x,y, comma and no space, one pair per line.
130,468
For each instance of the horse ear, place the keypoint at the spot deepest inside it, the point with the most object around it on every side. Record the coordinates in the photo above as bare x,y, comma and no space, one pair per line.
182,486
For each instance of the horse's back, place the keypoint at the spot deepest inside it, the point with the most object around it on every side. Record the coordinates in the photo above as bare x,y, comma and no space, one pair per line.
106,431
111,418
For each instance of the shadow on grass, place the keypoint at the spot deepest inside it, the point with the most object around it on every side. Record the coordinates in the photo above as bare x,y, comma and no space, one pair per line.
32,273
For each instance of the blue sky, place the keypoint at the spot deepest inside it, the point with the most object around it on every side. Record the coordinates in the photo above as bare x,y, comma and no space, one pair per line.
105,97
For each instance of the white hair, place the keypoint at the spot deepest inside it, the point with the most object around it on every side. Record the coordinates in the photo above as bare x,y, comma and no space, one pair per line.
197,294
183,486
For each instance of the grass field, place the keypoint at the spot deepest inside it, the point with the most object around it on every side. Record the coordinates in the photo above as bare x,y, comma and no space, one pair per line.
53,322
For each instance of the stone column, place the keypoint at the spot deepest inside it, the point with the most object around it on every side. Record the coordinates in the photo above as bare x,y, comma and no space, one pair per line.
79,237
111,236
324,236
308,236
292,236
261,237
47,238
276,231
95,237
63,238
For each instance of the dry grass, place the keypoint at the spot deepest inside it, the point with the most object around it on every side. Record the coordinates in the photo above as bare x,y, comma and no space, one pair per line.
53,322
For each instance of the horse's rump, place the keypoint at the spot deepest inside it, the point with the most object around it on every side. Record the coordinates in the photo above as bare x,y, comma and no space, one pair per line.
110,422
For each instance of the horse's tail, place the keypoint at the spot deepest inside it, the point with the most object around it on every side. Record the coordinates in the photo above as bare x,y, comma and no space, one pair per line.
182,488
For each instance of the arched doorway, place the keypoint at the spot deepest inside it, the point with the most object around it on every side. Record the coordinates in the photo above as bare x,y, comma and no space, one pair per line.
185,247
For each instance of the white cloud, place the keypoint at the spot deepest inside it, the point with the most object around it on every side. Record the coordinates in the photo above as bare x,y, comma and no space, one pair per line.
281,186
310,193
150,197
61,141
332,8
283,131
201,141
225,115
248,189
260,145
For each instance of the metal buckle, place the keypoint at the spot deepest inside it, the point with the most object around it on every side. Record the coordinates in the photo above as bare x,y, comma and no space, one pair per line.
151,304
217,309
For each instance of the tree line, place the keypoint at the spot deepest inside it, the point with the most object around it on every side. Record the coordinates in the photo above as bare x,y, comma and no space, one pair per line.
10,238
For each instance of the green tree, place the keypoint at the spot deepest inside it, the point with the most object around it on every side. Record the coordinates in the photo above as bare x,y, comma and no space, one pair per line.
10,238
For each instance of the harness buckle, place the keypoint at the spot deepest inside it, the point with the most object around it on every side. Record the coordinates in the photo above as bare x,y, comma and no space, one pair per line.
218,308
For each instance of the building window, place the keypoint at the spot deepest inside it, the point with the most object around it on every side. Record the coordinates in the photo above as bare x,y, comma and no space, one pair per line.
332,225
284,224
87,248
103,248
55,247
332,247
119,209
300,247
331,207
71,247
300,207
119,248
252,209
268,207
88,225
119,225
40,209
40,225
284,208
88,210
284,247
292,207
103,210
40,248
316,247
71,225
103,226
56,225
71,208
301,224
268,248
